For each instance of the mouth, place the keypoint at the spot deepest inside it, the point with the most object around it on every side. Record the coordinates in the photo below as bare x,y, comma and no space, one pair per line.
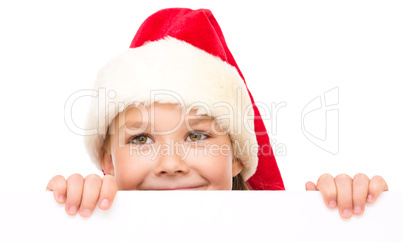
177,188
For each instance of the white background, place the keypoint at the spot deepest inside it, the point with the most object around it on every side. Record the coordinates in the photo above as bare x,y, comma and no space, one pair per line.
289,52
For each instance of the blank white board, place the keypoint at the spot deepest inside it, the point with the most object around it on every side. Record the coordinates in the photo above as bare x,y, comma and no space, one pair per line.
199,216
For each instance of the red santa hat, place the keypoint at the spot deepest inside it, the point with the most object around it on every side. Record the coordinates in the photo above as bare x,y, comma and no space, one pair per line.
184,51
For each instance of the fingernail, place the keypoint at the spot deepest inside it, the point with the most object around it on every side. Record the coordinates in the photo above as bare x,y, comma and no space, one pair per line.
369,198
346,213
61,198
85,212
105,203
332,204
73,209
357,209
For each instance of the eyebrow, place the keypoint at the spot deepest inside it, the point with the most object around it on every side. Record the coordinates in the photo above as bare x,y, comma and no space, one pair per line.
192,122
133,125
197,121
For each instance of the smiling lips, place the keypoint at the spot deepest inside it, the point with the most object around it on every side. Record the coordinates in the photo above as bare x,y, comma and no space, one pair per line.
177,188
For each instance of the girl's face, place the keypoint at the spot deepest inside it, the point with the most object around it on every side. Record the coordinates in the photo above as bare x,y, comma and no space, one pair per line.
162,148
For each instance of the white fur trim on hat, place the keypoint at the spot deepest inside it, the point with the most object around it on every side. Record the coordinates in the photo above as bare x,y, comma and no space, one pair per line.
193,74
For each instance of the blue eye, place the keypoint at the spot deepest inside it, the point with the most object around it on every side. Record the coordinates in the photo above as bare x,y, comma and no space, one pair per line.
141,139
196,136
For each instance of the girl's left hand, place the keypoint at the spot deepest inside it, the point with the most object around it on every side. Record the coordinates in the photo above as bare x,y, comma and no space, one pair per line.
350,195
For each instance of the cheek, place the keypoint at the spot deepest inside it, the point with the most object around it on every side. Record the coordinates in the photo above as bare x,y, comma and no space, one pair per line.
216,168
130,169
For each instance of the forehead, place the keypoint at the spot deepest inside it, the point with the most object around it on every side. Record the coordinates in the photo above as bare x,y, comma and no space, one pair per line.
160,117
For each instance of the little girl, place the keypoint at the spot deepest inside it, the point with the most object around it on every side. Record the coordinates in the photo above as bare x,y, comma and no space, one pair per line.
174,113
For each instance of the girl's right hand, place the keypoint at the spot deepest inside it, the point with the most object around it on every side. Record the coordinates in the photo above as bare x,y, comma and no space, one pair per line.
81,195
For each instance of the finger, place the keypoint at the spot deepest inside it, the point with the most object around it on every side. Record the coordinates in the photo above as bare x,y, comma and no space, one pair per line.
360,190
376,186
344,195
92,187
108,192
326,186
310,186
59,187
75,185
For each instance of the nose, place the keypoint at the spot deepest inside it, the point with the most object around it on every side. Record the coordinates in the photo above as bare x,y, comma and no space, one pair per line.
171,165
